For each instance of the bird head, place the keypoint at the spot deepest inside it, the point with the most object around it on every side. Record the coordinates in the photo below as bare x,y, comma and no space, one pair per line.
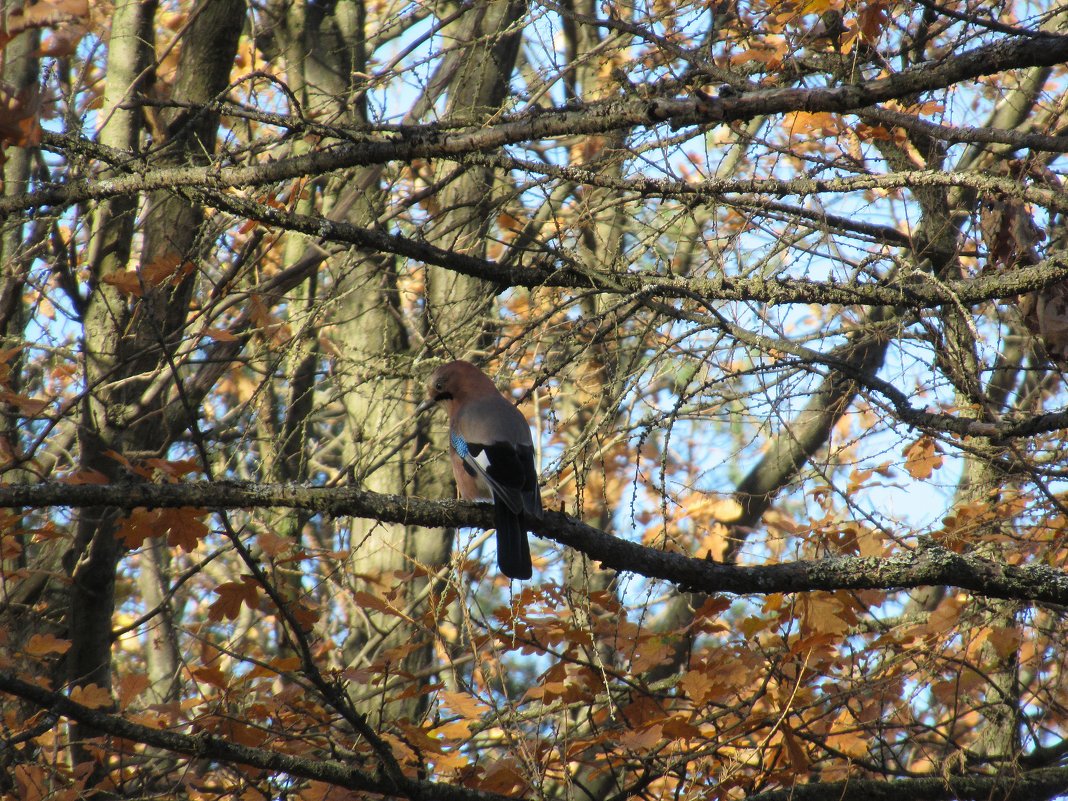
454,383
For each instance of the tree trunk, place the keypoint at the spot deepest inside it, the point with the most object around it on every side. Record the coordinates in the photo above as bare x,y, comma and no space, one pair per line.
130,337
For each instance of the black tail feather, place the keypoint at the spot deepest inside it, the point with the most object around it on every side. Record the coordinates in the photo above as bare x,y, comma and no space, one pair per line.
513,549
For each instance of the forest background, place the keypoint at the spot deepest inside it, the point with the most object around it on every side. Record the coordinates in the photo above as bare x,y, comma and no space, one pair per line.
781,287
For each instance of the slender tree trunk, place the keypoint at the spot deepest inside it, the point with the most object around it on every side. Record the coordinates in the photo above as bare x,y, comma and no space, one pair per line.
19,70
130,337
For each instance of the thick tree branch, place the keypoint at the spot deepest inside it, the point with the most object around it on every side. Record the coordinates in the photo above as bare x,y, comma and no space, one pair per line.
410,143
345,156
1017,140
908,291
1002,55
543,271
929,564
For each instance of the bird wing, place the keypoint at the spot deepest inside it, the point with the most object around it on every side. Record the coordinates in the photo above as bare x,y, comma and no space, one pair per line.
498,449
531,491
498,465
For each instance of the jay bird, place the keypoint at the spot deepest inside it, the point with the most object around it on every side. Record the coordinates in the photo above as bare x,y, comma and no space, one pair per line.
492,457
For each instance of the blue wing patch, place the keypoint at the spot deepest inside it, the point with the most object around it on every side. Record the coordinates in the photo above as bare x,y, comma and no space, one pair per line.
458,444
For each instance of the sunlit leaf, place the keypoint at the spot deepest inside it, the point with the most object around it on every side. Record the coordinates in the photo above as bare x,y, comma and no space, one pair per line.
129,687
922,458
44,644
91,695
642,740
210,674
464,704
231,597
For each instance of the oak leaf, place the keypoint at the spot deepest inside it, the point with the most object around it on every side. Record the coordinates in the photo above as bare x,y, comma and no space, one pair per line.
131,686
92,696
44,644
128,282
303,614
85,477
231,595
502,776
210,674
31,782
922,458
220,334
182,526
642,740
799,760
366,600
169,268
274,667
464,704
697,685
453,730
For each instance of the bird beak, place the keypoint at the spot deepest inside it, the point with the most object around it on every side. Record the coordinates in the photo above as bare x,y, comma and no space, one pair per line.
422,407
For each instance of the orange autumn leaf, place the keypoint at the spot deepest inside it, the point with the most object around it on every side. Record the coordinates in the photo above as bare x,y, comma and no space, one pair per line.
272,544
502,776
873,18
136,527
173,468
678,728
27,407
49,12
642,740
872,132
85,477
368,601
697,685
420,737
232,595
303,615
818,123
652,651
799,760
210,675
274,668
44,644
451,761
922,458
1005,640
220,335
463,704
182,526
823,613
30,781
169,268
241,733
128,282
131,686
43,14
453,730
19,114
92,696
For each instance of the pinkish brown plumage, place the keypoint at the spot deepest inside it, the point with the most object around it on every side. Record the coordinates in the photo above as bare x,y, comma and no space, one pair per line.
492,457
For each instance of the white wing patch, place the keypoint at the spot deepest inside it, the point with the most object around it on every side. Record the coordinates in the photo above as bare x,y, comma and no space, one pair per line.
510,496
